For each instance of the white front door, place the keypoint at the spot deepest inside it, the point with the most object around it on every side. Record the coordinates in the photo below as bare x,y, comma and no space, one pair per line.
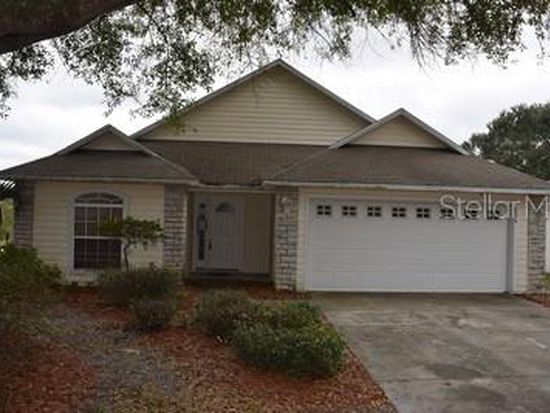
218,233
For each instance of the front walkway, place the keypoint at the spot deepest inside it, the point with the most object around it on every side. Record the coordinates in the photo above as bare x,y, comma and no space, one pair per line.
450,353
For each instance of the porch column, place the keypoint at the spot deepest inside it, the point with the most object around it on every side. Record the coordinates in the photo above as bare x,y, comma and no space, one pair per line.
536,241
24,214
175,227
285,238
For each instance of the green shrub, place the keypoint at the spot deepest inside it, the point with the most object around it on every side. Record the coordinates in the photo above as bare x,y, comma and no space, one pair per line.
312,350
125,287
292,314
26,283
218,312
151,315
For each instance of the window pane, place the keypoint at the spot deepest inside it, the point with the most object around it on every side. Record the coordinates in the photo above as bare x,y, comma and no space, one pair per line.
79,214
92,214
99,198
116,213
92,229
79,228
104,214
97,254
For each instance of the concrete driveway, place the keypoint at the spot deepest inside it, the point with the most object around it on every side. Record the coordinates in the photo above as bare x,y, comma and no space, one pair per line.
450,353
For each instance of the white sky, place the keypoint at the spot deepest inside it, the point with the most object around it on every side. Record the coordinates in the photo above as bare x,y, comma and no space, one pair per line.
457,100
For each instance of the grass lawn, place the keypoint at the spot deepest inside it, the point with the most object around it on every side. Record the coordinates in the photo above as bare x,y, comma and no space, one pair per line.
87,360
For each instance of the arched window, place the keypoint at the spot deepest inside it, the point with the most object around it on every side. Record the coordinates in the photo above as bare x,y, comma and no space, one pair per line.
92,249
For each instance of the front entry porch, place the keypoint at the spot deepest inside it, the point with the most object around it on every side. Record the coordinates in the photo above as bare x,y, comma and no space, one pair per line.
231,235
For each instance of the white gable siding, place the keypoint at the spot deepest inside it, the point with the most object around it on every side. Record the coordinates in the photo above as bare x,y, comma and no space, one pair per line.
400,132
53,220
275,107
108,142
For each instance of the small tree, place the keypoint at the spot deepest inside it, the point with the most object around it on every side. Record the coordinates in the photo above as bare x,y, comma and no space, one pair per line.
133,232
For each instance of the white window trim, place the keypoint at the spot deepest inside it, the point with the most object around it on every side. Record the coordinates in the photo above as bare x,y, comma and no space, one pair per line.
71,209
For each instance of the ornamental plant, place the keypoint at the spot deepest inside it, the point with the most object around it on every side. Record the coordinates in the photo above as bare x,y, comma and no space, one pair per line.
133,232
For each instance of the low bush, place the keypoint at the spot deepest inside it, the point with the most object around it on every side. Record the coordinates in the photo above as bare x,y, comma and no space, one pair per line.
126,287
312,350
26,283
289,337
152,315
218,312
292,314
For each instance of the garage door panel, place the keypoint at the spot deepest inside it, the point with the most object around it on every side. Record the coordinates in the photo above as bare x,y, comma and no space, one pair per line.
403,254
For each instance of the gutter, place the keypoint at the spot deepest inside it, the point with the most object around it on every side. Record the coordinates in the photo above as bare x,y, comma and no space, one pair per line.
393,187
96,179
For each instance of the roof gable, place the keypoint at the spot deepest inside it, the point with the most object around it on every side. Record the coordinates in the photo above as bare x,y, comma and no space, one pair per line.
105,138
276,104
108,138
401,128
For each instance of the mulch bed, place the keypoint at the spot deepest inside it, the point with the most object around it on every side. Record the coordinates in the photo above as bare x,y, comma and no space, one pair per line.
213,364
181,369
539,298
41,377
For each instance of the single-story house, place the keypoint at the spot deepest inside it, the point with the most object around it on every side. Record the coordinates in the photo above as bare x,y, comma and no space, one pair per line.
274,175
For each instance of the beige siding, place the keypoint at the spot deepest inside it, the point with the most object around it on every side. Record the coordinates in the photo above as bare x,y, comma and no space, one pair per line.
519,275
275,107
257,233
400,132
108,142
53,227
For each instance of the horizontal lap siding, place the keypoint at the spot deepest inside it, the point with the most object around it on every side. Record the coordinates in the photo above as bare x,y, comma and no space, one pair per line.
401,132
54,211
276,107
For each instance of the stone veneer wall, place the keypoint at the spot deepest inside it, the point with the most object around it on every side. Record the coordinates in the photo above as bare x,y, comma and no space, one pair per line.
536,242
285,241
175,227
24,214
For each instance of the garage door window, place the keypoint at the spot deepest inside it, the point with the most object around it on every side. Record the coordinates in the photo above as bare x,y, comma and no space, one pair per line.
471,214
349,211
423,213
399,212
374,211
446,213
324,210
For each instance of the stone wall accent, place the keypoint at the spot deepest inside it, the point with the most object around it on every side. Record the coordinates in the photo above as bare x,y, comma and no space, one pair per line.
285,238
175,227
24,214
536,242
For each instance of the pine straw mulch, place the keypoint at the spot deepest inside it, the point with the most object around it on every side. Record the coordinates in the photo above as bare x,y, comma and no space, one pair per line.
207,373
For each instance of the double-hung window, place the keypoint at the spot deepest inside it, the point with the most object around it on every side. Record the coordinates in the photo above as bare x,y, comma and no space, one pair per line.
93,249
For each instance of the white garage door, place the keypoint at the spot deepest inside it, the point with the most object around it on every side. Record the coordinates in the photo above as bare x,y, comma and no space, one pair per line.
370,246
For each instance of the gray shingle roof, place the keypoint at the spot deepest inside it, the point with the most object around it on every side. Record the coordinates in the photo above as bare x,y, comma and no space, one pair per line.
357,164
217,163
221,163
111,165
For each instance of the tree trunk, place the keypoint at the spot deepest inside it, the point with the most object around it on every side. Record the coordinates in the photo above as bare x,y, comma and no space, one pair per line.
125,252
24,22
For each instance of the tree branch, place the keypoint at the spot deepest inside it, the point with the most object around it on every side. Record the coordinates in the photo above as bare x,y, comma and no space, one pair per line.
24,22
